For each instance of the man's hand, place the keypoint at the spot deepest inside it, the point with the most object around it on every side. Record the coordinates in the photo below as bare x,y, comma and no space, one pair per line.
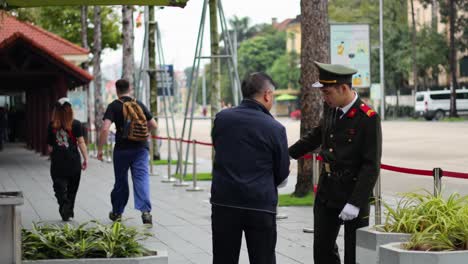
349,212
99,155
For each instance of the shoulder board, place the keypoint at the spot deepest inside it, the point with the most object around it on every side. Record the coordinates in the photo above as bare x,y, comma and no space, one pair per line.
367,110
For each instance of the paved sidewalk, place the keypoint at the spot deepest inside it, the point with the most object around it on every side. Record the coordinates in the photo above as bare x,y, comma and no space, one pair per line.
182,219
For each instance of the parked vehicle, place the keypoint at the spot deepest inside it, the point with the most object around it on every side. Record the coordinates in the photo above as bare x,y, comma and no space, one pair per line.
436,104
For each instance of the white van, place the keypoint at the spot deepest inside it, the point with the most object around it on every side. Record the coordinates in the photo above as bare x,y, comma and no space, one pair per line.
436,104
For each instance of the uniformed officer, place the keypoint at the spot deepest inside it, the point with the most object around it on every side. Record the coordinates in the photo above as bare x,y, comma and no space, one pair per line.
350,138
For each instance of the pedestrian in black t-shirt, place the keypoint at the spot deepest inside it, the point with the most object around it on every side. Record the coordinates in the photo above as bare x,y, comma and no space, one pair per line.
64,137
128,154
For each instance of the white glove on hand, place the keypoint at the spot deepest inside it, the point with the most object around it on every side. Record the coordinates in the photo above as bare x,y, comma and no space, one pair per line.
349,212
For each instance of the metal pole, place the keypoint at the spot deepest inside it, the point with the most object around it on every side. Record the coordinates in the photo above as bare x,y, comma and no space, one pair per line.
378,202
152,173
181,182
195,66
377,188
194,188
204,90
381,51
437,174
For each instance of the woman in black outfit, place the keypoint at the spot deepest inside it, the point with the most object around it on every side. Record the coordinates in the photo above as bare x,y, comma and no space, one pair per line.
64,137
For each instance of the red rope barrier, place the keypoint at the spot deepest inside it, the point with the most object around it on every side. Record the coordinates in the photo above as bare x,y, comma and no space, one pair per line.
450,174
453,174
406,170
183,140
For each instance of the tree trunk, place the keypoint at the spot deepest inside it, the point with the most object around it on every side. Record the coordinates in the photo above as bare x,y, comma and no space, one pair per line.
128,67
152,77
97,48
453,60
413,52
215,97
84,65
314,47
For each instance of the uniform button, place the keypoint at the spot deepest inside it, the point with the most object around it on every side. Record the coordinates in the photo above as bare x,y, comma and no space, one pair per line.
331,135
350,140
329,174
331,150
354,179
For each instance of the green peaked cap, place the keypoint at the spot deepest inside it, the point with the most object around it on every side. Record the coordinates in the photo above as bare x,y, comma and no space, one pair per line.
330,74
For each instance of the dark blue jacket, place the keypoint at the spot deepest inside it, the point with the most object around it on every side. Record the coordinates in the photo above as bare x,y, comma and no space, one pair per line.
251,157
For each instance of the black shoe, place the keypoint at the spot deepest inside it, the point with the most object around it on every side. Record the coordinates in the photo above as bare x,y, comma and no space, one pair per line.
147,218
115,217
64,214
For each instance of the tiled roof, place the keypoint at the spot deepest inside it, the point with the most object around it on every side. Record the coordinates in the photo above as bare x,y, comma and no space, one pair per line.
9,25
83,76
282,25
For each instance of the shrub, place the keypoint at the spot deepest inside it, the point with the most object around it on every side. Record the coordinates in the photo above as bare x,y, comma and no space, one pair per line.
88,240
435,223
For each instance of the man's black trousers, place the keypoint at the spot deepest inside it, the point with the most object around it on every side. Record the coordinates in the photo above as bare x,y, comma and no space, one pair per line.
227,225
326,228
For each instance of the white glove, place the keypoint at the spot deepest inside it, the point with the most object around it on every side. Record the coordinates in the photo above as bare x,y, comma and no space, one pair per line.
349,212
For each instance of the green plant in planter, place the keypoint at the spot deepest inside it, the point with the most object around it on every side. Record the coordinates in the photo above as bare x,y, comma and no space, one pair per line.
442,224
88,240
417,212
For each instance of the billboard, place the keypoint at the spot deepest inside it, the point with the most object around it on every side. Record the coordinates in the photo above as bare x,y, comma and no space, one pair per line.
165,80
350,46
79,102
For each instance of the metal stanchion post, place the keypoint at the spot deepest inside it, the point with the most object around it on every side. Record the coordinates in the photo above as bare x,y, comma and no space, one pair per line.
378,202
152,172
315,175
437,174
94,150
181,182
169,178
194,188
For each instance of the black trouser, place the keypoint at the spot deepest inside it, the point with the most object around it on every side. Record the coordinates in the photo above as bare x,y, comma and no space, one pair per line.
66,176
326,228
227,224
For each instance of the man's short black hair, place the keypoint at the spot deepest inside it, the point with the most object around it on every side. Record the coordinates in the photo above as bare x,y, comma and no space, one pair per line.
255,83
122,86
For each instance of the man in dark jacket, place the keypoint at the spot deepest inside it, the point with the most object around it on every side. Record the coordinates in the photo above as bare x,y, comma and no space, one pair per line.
251,161
350,138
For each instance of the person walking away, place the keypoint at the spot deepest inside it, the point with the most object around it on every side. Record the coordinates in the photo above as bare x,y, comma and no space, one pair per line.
64,138
131,151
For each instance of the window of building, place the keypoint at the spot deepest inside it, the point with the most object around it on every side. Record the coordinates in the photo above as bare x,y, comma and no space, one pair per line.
464,66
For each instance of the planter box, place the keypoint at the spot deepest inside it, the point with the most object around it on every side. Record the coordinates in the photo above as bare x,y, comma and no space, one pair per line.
394,254
369,240
161,258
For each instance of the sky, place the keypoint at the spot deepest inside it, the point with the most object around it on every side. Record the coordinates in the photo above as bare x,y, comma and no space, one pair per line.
179,27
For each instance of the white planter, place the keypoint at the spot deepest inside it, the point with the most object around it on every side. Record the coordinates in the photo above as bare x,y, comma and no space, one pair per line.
369,240
394,254
161,258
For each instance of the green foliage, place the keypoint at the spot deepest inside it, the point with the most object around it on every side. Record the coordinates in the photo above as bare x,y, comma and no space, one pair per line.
203,176
66,22
461,21
434,222
259,53
291,200
432,53
88,240
285,71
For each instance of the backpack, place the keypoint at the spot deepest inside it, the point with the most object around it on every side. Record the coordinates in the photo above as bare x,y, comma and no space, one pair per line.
135,127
